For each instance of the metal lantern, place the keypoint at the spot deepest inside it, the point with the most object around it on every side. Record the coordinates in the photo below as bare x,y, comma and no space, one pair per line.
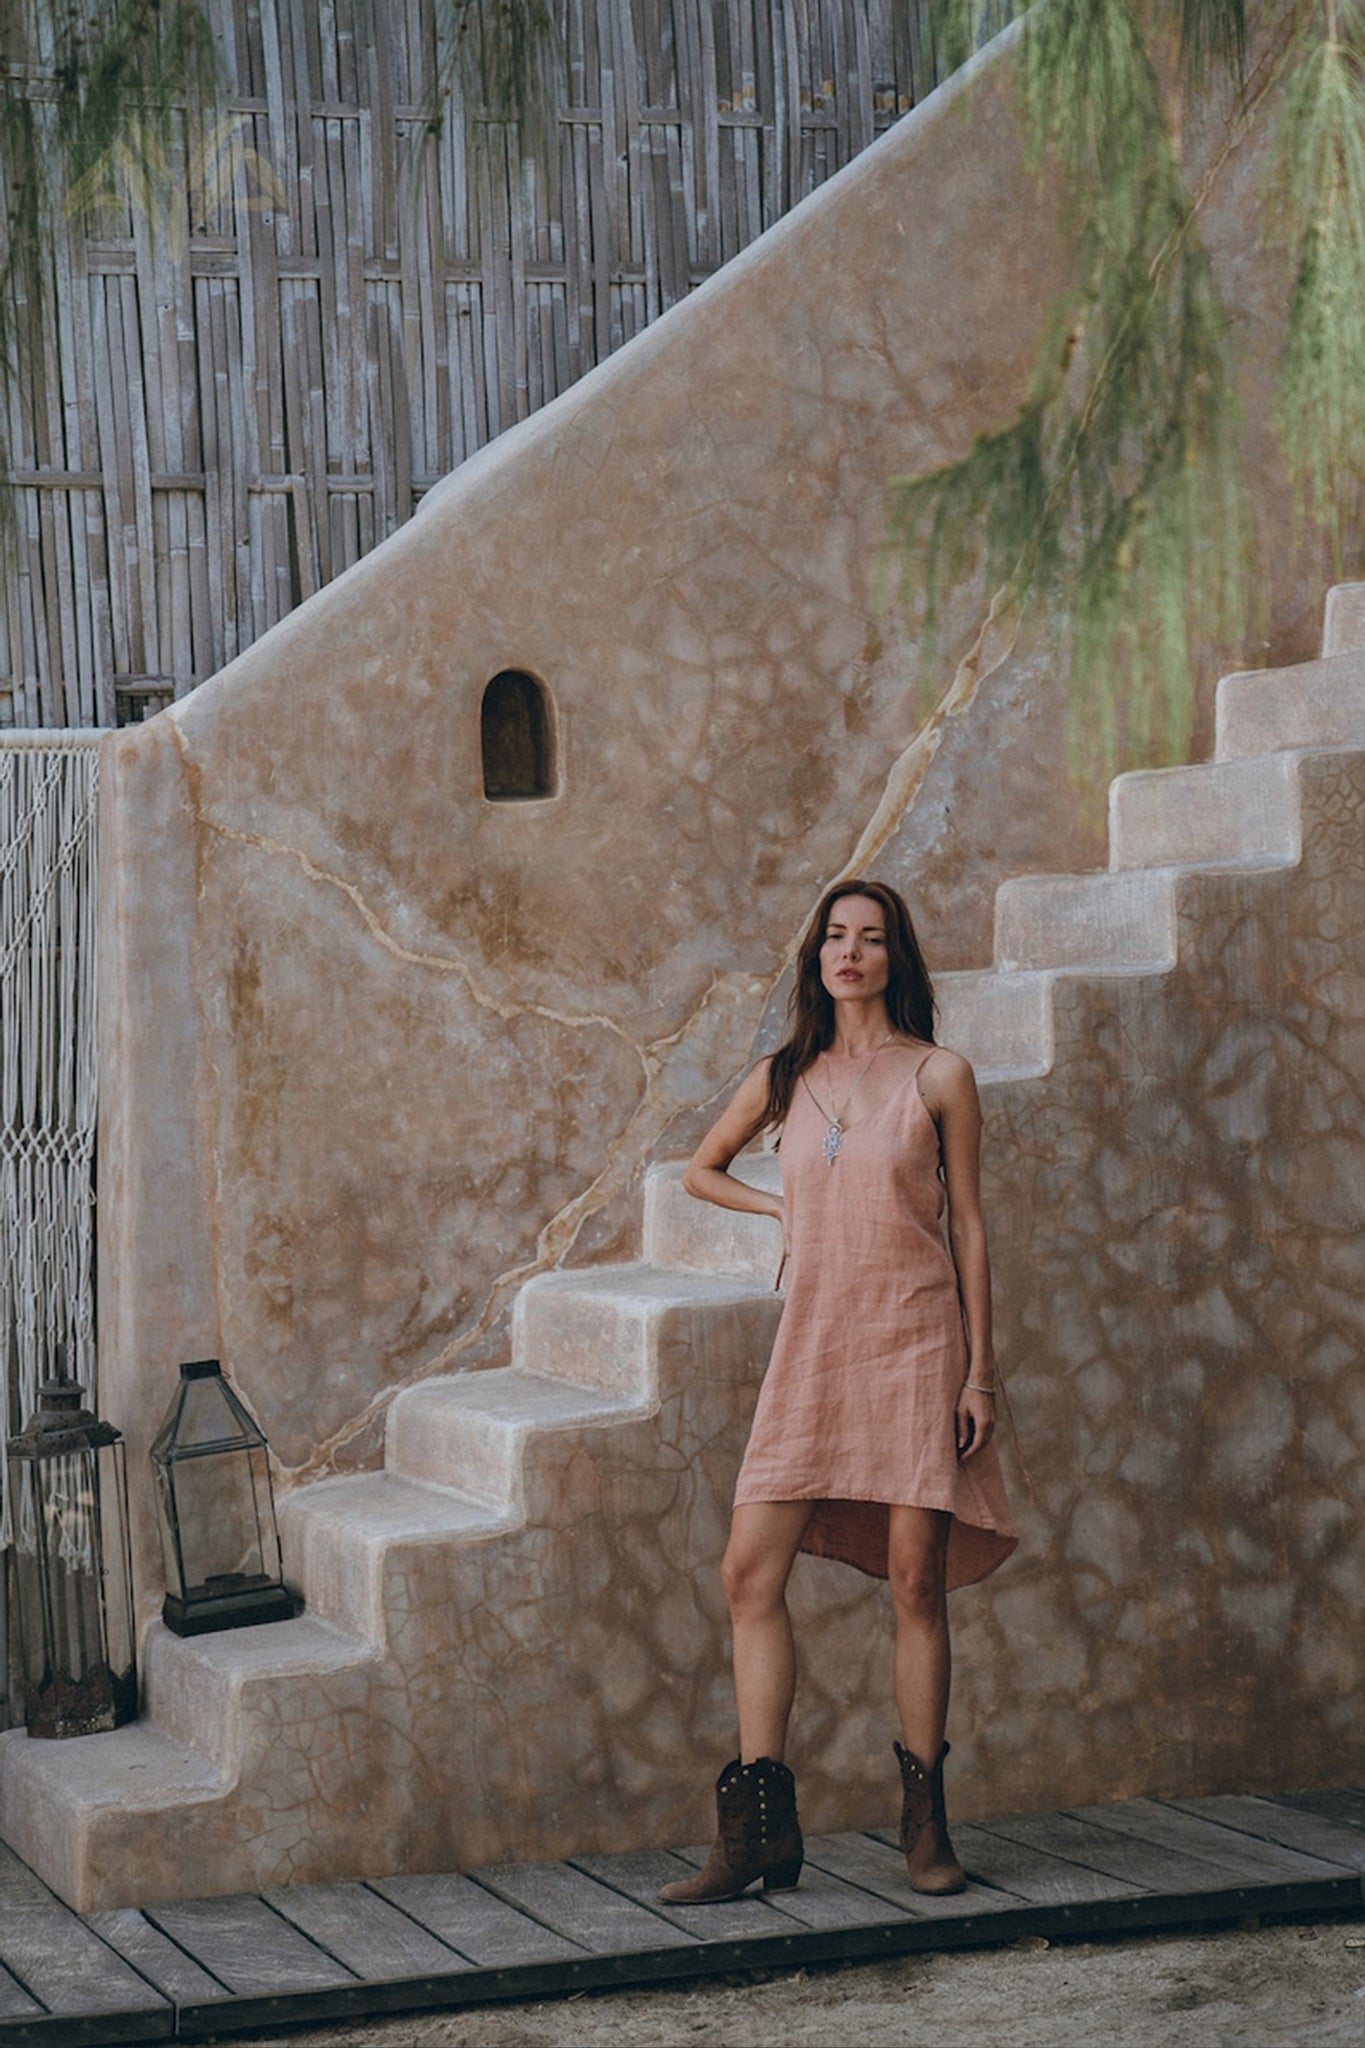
219,1534
73,1573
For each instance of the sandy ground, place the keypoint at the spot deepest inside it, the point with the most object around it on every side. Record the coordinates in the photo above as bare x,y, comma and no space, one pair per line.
1285,1986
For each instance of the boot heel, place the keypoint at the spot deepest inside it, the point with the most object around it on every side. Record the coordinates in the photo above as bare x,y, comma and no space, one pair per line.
784,1877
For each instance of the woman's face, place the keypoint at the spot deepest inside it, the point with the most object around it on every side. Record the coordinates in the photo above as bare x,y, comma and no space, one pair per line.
854,961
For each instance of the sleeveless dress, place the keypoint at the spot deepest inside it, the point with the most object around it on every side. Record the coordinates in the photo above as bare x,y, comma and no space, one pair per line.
857,1407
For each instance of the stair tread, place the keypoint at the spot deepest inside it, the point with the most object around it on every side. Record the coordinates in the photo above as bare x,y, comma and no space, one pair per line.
513,1394
642,1284
390,1504
307,1643
1309,707
970,978
134,1767
1152,882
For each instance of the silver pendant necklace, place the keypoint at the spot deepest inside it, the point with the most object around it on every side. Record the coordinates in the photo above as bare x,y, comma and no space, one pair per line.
834,1135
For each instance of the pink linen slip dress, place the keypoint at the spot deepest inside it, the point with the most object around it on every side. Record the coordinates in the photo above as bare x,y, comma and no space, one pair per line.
857,1407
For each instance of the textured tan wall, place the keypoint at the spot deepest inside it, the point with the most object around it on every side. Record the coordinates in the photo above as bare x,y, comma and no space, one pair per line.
399,1044
376,1049
1181,1276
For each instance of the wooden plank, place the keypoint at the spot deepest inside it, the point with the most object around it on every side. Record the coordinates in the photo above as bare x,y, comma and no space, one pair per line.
638,1874
15,2002
73,339
582,1911
175,1975
57,1959
1346,1806
471,1921
1271,1820
1031,1873
1153,1867
878,1867
823,1899
1245,1860
367,1933
247,1947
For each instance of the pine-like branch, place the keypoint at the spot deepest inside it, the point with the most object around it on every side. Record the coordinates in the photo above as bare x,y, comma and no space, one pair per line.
86,88
1320,171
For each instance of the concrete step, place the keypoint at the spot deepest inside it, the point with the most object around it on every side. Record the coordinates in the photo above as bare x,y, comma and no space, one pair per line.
1002,1023
199,1688
471,1431
338,1534
682,1234
1216,812
58,1796
1343,619
1115,923
598,1327
1315,704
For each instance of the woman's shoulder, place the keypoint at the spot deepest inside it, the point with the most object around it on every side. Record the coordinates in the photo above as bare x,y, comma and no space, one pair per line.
945,1076
927,1055
754,1086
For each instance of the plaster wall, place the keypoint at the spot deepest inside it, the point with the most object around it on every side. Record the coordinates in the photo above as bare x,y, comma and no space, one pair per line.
541,1669
377,1051
375,1047
1176,1233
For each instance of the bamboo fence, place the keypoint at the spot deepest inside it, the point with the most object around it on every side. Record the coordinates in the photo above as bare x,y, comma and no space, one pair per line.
233,393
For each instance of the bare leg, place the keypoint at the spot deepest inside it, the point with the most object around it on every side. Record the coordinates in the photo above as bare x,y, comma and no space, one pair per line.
918,1566
923,1667
764,1539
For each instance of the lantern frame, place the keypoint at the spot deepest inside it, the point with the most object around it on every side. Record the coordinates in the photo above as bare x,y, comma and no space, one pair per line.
73,1567
231,1598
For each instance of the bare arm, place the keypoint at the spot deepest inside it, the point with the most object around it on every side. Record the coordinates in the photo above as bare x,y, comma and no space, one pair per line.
708,1173
949,1088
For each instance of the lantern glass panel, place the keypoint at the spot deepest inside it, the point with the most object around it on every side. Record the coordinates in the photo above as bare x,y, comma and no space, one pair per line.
220,1539
73,1587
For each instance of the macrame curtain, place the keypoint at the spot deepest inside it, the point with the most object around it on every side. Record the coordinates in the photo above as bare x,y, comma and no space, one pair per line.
48,787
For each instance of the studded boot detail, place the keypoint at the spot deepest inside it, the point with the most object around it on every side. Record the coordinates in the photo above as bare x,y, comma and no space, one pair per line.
928,1852
757,1835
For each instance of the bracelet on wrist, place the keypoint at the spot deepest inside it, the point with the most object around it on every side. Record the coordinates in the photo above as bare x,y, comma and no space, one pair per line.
973,1388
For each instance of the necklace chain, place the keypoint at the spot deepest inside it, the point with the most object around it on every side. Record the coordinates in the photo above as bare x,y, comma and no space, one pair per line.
834,1135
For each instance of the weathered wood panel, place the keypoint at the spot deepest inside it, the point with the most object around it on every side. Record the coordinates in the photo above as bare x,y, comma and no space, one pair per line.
227,401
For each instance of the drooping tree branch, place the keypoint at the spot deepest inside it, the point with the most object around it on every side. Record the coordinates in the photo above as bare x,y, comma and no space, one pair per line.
1118,489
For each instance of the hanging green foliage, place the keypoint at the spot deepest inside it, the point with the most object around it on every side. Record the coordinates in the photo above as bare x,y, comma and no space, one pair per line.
1320,169
503,59
85,89
1117,490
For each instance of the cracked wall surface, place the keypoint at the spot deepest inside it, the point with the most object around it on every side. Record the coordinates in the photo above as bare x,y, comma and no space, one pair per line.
374,1051
374,1048
1181,1276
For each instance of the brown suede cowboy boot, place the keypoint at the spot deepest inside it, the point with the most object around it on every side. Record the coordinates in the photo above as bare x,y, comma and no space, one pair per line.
757,1835
924,1826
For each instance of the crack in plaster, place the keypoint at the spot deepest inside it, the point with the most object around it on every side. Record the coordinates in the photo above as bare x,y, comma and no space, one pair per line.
748,995
440,963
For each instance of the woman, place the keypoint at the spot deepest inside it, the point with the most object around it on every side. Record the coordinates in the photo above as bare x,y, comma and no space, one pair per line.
872,1439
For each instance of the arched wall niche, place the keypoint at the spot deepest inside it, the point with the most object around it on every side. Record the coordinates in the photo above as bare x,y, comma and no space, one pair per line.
517,739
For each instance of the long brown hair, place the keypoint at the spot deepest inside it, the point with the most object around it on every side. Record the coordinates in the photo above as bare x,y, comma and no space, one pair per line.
910,1004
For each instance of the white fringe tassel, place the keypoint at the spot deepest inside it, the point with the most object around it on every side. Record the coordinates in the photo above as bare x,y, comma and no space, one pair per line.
48,789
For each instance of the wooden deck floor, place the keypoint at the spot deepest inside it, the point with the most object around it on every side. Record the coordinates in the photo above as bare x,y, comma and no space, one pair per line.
343,1951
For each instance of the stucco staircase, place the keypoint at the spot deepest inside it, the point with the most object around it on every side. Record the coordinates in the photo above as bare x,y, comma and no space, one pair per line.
215,1789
